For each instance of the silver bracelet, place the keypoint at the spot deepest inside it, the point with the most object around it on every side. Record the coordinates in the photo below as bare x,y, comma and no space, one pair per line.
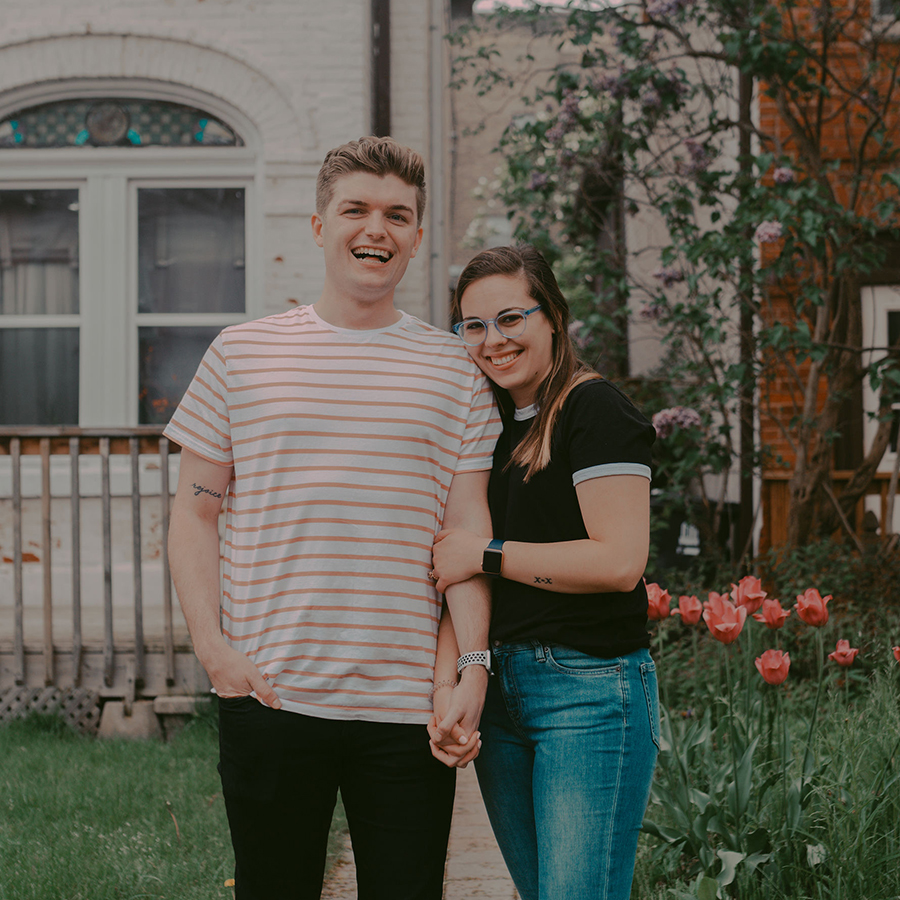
447,682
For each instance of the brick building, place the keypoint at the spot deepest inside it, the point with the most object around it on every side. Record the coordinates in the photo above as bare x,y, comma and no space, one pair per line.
864,50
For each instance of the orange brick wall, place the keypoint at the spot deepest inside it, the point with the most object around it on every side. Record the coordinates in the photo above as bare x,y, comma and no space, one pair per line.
840,136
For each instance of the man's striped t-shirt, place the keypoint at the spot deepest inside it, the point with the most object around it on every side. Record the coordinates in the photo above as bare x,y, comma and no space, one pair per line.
343,445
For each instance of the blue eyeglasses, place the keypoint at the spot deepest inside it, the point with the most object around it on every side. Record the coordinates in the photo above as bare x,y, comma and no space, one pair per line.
509,324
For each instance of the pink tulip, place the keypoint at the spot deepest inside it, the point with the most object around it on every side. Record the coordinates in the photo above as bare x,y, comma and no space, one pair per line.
896,653
714,597
725,620
657,602
773,665
810,607
748,592
689,608
773,615
844,654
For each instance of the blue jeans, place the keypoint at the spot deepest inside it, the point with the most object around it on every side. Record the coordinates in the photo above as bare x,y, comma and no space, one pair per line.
570,744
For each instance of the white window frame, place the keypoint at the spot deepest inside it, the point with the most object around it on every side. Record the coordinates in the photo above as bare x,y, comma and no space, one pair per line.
108,180
877,302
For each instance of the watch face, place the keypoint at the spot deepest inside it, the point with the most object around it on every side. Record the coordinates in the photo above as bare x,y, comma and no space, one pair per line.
492,562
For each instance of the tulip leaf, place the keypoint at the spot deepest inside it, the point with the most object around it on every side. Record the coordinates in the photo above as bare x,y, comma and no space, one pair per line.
707,888
756,859
744,778
757,842
792,811
730,860
669,835
699,799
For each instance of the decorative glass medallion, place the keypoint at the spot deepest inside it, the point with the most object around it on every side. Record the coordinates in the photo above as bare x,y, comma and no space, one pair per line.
114,122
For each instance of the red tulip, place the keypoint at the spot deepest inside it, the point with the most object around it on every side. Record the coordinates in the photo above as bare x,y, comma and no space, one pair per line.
725,620
714,598
689,608
773,665
748,592
844,654
657,602
896,653
810,607
772,615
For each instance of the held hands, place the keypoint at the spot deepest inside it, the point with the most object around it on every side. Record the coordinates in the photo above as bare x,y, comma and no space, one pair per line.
453,729
234,675
457,556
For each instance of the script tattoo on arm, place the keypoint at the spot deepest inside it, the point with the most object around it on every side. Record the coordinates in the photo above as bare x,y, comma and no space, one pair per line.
199,489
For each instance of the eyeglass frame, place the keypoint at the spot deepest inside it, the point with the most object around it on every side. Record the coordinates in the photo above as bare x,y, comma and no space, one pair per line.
488,322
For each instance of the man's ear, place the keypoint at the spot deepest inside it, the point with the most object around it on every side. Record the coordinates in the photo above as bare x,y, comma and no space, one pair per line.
415,249
317,223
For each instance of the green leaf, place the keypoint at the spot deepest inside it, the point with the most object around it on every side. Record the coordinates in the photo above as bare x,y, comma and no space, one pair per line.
730,860
707,888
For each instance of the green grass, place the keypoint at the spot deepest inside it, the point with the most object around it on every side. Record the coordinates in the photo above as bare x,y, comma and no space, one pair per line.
83,819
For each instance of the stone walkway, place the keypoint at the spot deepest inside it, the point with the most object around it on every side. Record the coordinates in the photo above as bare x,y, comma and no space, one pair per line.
475,867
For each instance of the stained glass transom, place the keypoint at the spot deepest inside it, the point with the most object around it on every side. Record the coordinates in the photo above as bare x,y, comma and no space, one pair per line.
114,122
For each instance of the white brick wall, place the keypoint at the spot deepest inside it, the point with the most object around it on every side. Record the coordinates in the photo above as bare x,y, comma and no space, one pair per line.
298,70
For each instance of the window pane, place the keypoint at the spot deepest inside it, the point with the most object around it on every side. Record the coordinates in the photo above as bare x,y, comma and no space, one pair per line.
168,360
38,252
893,337
190,250
39,376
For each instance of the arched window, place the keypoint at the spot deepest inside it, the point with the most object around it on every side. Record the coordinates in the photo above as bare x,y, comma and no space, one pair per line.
124,230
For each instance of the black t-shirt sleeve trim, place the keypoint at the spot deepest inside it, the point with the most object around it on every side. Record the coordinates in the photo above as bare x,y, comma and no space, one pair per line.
601,426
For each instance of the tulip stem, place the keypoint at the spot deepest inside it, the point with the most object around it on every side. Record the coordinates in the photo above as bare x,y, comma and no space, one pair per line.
696,662
820,655
733,742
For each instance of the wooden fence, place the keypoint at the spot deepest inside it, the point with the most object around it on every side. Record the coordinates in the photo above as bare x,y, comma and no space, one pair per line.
121,661
776,503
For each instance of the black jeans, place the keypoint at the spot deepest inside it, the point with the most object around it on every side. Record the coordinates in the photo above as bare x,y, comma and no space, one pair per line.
280,775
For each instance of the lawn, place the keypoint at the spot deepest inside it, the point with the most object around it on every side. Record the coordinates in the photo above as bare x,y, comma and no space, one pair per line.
84,819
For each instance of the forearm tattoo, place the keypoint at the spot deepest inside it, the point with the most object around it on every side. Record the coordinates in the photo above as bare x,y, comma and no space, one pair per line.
539,580
199,489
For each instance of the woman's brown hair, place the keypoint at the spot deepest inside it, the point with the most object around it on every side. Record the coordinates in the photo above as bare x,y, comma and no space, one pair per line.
566,369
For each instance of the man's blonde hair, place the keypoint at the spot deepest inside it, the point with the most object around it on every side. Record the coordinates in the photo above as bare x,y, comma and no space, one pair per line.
380,156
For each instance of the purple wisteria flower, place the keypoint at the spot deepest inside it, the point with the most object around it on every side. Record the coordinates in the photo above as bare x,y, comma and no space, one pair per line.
667,420
650,99
700,157
538,180
615,84
783,175
768,232
651,311
660,9
669,275
566,119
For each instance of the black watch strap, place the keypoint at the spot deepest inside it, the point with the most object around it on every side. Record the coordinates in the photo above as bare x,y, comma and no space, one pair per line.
492,561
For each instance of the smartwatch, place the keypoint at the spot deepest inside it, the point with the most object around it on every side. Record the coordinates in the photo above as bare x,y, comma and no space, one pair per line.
475,658
492,561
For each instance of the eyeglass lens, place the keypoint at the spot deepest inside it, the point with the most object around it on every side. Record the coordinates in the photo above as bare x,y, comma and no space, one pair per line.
509,324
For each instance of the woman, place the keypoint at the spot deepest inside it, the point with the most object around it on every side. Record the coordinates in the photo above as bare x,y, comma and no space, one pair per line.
570,728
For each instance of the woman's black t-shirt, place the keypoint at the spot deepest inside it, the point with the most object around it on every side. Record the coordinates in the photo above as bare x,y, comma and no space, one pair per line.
598,432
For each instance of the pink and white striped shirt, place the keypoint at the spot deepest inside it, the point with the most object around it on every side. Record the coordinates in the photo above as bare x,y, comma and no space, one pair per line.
343,445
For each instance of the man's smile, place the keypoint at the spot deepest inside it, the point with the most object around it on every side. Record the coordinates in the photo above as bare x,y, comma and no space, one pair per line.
380,254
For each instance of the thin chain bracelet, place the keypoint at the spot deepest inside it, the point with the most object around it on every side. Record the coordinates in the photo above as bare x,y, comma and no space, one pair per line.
447,682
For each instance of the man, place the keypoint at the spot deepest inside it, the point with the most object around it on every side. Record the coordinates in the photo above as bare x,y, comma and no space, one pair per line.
345,435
